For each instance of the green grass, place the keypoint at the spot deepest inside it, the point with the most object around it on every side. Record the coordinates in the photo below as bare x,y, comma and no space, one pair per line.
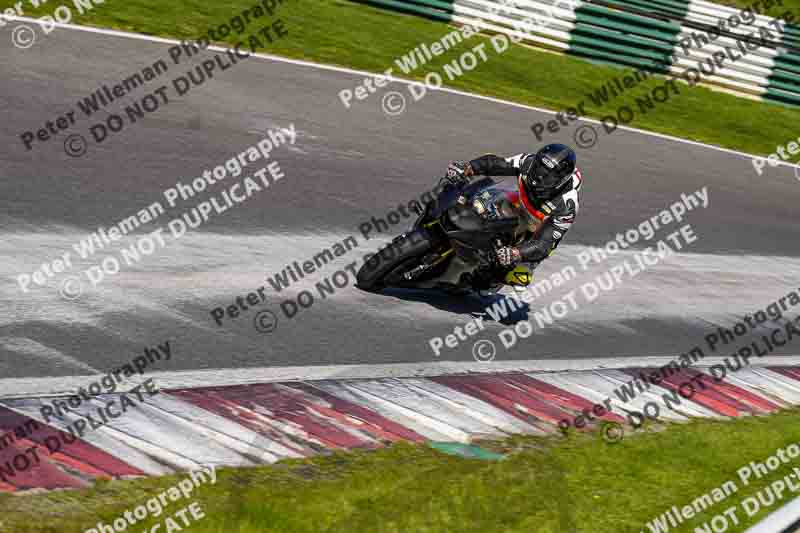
355,35
578,483
775,10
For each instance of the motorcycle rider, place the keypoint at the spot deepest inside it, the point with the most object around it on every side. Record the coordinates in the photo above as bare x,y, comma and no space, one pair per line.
548,182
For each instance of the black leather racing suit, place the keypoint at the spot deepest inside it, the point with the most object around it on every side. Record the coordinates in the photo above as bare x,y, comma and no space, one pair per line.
557,214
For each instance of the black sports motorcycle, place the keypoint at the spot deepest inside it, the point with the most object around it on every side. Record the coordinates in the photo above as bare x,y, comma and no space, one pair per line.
452,243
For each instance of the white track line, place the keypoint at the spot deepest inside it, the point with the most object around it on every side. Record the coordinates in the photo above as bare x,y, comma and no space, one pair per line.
24,387
129,35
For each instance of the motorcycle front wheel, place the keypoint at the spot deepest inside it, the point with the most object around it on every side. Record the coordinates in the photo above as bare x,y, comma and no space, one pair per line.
400,255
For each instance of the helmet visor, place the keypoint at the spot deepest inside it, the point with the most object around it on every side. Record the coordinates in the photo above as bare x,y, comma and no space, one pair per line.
544,173
543,177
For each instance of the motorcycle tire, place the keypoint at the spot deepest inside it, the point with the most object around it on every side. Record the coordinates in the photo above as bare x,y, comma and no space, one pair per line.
373,273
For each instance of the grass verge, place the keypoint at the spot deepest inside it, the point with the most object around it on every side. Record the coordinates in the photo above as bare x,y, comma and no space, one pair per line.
578,483
363,37
775,8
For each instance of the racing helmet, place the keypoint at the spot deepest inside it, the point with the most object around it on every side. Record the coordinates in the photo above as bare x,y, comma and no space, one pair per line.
545,173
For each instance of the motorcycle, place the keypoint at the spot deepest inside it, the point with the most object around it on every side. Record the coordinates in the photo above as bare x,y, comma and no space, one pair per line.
451,244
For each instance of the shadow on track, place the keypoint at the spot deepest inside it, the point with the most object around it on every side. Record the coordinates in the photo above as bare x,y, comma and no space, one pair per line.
469,304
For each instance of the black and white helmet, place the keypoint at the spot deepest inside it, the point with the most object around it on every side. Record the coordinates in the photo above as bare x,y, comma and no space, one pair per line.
545,173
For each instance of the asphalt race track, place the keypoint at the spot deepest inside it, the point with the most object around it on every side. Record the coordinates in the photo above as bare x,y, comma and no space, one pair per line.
345,167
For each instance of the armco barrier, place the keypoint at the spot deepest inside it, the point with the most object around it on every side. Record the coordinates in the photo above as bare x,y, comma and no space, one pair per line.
651,35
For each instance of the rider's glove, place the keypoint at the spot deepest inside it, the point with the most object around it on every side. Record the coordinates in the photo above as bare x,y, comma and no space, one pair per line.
458,172
508,256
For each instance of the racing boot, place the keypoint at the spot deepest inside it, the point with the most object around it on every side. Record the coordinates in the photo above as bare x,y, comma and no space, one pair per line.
519,278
